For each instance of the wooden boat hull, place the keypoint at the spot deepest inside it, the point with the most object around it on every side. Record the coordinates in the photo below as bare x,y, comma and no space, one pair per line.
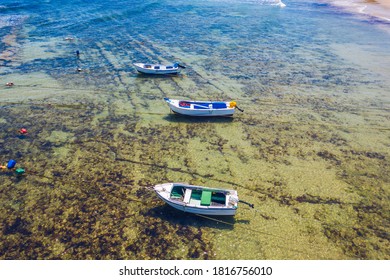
190,204
157,69
201,108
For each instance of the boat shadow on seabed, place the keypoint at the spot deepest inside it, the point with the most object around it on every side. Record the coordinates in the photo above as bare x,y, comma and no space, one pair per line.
167,213
173,117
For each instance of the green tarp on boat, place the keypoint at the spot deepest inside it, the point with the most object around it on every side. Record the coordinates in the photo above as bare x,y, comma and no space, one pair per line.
205,200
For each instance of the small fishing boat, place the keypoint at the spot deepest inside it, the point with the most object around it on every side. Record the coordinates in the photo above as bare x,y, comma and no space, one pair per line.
198,199
158,68
202,108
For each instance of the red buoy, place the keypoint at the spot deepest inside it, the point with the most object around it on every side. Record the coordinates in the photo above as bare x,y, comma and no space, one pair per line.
23,131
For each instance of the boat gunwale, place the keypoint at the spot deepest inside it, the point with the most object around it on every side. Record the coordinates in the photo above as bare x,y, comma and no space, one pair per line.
199,112
180,203
141,67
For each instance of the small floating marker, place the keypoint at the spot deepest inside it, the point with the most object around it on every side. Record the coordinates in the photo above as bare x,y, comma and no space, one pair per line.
20,171
79,69
23,131
11,164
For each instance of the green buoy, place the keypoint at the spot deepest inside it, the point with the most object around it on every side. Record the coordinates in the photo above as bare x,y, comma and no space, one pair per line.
20,171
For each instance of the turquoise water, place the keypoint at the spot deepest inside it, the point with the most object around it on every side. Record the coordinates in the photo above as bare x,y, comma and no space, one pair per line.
310,150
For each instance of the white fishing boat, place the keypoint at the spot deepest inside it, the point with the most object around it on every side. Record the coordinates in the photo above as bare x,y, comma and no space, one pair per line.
202,108
147,68
198,199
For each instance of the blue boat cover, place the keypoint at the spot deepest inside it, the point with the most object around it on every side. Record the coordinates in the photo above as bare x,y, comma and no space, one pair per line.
219,105
11,164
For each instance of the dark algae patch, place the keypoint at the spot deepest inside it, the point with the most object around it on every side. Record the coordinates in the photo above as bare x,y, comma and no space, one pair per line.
86,198
310,150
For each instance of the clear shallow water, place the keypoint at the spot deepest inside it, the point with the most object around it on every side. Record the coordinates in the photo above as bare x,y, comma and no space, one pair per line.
310,150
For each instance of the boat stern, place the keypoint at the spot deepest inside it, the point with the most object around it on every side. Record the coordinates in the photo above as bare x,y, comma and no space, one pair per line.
233,199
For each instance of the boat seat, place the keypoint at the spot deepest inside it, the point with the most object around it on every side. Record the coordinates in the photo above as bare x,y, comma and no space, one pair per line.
205,199
187,196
